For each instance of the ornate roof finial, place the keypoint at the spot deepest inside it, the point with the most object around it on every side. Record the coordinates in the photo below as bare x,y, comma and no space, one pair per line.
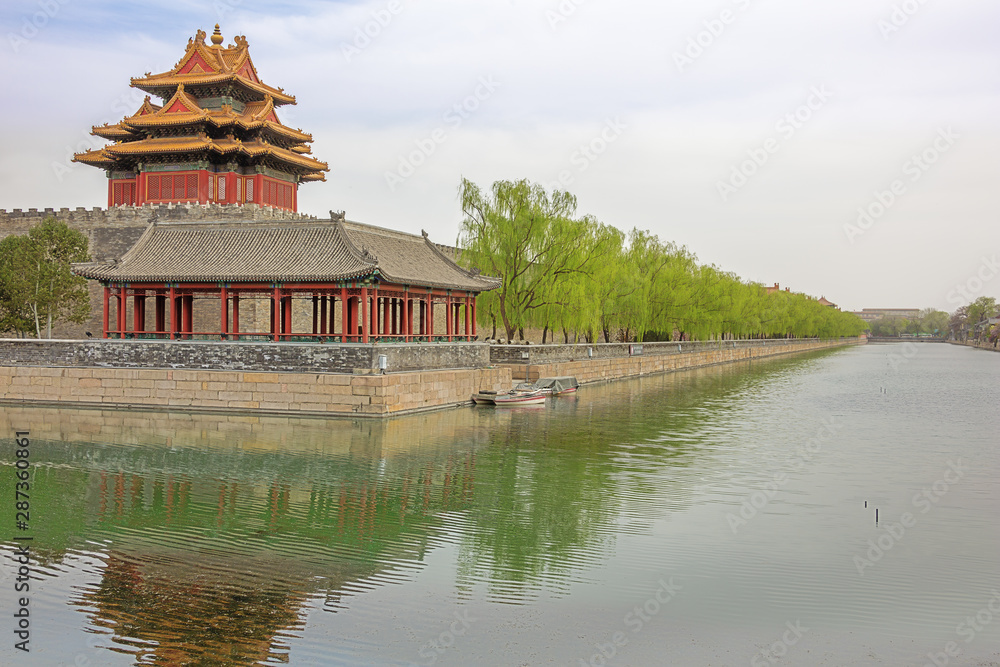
217,37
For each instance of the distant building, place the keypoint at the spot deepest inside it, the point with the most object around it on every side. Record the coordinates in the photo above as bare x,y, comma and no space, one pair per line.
824,302
872,314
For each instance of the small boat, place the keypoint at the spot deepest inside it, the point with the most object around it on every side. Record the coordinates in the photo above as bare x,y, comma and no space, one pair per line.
519,398
557,386
487,397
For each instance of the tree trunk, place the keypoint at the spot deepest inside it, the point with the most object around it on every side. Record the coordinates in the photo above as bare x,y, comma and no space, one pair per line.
38,326
506,323
565,336
545,333
48,326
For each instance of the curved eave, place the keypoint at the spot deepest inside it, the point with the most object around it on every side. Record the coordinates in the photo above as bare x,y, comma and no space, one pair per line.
254,149
475,289
167,120
148,147
132,125
257,149
155,84
95,158
112,132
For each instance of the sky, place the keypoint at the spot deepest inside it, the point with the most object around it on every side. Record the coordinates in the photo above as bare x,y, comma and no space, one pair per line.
845,149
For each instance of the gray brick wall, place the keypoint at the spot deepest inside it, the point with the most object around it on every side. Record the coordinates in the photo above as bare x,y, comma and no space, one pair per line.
263,357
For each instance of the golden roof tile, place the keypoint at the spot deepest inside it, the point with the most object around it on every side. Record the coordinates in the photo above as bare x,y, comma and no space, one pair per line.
95,158
206,65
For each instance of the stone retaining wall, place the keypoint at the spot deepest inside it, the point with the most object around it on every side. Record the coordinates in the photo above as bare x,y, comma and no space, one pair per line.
546,354
654,358
268,393
979,346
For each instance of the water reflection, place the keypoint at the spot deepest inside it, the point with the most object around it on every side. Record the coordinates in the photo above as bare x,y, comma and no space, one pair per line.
218,531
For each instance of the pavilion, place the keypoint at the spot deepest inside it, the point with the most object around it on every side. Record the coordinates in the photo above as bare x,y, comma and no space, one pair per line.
216,139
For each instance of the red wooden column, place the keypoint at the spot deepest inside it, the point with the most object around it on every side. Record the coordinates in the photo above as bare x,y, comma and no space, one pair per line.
286,315
373,318
448,331
345,315
173,313
139,312
385,316
122,307
407,317
107,306
187,316
467,335
315,313
394,304
333,315
322,314
474,316
430,316
224,299
276,314
161,312
236,315
364,315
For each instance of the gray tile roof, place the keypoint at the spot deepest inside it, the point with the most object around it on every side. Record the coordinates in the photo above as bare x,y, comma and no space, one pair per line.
283,251
414,260
235,252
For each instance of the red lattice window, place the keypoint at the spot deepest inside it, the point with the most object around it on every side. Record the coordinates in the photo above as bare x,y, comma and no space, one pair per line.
211,188
152,187
192,186
239,189
222,188
249,189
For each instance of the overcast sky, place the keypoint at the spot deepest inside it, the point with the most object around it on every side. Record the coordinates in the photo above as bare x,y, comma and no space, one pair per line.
754,132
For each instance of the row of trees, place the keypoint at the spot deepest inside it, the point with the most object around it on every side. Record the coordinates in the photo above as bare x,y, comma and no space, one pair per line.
574,276
37,288
971,322
929,322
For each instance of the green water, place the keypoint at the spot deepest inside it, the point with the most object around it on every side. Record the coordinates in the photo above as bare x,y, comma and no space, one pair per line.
713,517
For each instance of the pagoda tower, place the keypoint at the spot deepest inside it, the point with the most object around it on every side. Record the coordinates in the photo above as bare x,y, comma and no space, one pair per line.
216,137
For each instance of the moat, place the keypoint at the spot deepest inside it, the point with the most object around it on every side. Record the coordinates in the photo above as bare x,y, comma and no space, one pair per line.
719,516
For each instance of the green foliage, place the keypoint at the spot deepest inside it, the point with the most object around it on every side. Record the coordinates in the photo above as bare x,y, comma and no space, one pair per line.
36,284
570,274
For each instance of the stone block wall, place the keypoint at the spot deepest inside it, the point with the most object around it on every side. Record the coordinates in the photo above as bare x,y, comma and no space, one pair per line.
321,394
545,354
655,358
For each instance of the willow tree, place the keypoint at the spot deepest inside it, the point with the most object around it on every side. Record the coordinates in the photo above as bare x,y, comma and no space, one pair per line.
529,239
36,284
